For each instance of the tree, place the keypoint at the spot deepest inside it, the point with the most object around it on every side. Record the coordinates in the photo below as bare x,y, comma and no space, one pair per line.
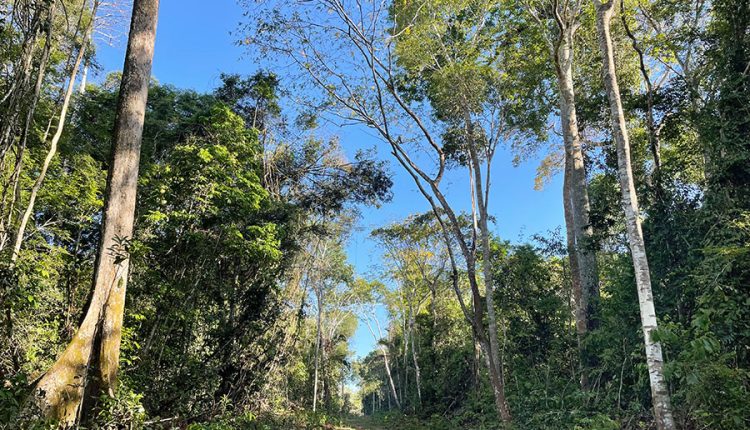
581,247
326,275
62,390
654,358
76,65
416,261
367,295
10,188
378,85
222,327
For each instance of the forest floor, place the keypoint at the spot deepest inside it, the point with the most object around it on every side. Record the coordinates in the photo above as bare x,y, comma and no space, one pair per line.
370,423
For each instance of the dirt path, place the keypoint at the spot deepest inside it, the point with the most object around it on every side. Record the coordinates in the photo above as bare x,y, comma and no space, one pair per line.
361,423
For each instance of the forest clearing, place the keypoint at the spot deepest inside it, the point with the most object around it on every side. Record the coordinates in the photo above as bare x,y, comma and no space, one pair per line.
375,214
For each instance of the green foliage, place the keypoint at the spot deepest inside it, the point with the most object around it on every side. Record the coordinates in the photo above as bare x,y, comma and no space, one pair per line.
213,249
12,394
124,410
242,221
463,57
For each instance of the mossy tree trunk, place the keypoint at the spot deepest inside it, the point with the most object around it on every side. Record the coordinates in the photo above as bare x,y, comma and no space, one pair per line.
89,363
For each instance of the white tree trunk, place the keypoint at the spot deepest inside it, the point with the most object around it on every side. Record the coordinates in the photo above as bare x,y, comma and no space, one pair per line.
659,390
55,139
387,364
318,341
84,79
417,374
575,272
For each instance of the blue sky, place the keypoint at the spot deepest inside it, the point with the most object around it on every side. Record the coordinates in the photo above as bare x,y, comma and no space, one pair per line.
195,43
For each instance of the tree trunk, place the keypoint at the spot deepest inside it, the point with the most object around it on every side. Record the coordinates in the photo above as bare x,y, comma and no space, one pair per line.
433,308
55,138
403,387
60,392
497,377
84,79
328,384
575,273
387,364
659,391
389,397
318,341
417,375
10,189
476,364
577,206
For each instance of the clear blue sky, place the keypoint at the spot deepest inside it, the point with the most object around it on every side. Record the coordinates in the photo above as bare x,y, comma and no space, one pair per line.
195,43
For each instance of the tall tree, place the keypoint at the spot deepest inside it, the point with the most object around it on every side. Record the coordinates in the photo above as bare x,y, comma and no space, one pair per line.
62,390
654,358
582,255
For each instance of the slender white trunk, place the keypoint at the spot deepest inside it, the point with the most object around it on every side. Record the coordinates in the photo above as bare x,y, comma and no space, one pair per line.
403,388
479,207
417,374
387,364
318,341
84,79
55,140
575,273
659,390
494,364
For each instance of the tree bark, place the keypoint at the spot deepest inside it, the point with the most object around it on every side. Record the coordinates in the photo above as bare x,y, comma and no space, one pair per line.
575,272
404,387
577,207
84,79
318,341
60,392
659,391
